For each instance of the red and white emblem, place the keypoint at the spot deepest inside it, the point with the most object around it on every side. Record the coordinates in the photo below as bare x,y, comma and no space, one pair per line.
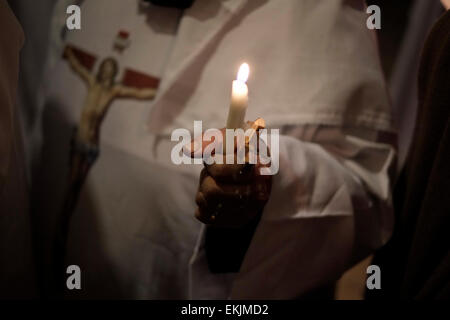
122,40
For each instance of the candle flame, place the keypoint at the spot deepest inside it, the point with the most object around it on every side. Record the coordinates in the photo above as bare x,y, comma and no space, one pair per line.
243,72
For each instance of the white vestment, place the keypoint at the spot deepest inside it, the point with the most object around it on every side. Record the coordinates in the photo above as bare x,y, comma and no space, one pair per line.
315,75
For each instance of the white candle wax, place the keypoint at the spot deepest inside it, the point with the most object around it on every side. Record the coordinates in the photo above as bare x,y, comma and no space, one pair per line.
239,99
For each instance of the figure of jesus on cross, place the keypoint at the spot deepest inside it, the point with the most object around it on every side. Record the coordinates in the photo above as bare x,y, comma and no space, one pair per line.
101,91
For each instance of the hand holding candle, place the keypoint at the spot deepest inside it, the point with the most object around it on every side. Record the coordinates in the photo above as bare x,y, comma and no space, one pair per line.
232,195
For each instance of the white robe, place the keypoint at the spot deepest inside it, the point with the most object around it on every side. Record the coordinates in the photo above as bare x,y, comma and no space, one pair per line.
315,75
314,66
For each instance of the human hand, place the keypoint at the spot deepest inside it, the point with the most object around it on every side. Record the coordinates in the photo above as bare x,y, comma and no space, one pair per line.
231,195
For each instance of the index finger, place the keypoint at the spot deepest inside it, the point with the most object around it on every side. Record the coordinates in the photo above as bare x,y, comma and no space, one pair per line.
197,146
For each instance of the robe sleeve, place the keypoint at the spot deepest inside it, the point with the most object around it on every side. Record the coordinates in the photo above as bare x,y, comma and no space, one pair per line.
330,207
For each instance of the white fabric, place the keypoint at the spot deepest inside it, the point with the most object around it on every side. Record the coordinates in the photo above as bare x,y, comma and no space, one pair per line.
319,66
313,65
319,221
152,32
133,232
311,62
324,214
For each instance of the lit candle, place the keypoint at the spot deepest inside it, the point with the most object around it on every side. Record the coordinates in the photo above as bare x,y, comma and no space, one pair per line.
239,99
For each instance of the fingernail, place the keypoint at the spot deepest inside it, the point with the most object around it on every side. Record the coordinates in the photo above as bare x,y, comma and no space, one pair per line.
192,149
